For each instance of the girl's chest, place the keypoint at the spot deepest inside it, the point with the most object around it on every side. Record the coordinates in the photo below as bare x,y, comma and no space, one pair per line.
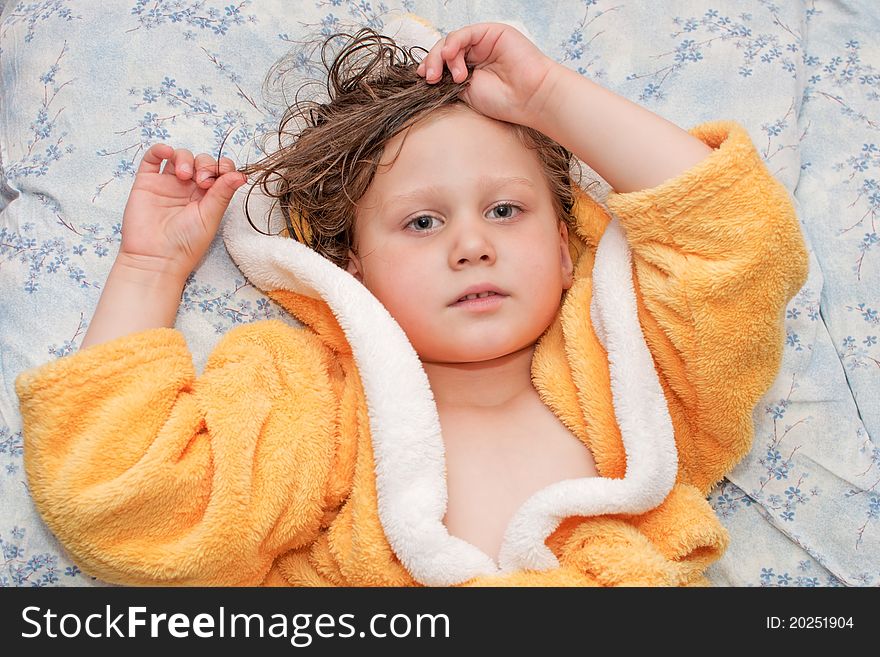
495,463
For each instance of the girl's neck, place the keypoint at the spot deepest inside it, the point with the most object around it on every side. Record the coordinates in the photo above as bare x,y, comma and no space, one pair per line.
486,385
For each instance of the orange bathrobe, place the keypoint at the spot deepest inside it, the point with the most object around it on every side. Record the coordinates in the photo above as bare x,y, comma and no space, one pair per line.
313,455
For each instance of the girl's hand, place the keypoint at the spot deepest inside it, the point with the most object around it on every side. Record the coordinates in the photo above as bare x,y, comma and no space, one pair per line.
171,217
511,76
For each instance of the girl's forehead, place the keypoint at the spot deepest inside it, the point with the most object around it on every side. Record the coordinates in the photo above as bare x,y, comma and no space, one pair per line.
453,124
457,147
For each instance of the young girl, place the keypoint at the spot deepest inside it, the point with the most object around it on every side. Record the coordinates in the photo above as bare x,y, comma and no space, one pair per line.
495,382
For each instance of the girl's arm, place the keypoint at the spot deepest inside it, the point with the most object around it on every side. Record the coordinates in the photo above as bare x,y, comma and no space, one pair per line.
134,299
717,255
168,225
629,146
512,80
149,474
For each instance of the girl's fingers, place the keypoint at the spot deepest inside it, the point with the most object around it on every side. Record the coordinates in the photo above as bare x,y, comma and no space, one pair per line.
152,160
473,43
457,43
432,65
454,43
450,51
217,198
207,169
458,67
180,164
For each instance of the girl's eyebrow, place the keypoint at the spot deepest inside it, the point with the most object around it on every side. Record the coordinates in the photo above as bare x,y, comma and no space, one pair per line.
485,182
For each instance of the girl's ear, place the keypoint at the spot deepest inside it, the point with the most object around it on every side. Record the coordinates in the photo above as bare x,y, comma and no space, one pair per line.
354,266
565,257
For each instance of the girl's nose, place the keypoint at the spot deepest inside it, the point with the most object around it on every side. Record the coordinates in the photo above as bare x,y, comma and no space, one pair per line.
472,243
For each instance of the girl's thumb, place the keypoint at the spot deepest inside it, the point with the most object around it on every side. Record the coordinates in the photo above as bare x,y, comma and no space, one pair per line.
219,195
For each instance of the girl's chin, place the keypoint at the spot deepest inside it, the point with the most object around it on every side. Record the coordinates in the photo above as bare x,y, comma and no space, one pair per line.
466,355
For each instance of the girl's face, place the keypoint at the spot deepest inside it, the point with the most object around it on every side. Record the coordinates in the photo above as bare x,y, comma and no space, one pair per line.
464,204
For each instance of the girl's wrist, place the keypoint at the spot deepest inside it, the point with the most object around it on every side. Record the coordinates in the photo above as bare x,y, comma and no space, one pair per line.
546,99
149,271
135,298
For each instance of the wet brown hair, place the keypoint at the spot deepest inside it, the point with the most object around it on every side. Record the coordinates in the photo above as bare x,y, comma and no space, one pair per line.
330,159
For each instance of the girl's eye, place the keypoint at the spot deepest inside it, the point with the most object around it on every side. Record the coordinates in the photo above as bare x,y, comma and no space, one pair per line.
420,223
508,209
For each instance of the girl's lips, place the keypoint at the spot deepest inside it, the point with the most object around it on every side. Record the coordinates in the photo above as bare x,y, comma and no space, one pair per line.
481,304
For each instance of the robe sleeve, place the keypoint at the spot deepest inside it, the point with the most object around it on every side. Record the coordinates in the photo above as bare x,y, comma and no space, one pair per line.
151,475
717,254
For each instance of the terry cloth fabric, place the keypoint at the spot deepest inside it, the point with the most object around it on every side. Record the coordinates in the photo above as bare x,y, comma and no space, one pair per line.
291,460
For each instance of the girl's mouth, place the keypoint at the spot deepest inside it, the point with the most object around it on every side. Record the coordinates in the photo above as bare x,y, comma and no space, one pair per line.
483,302
477,296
